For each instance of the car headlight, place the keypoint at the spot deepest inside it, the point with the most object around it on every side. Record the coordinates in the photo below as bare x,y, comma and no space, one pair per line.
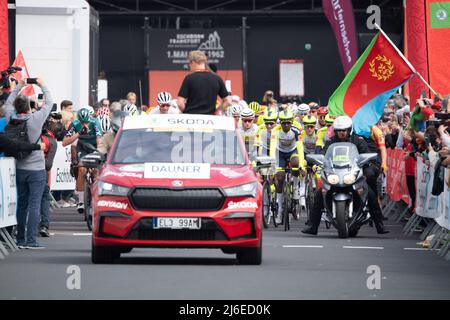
109,189
349,178
333,179
245,190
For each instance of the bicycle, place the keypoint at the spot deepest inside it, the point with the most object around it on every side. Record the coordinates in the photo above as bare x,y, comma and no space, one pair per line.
290,205
266,168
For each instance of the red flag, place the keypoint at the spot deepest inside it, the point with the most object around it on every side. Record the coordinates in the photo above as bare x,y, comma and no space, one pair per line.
20,75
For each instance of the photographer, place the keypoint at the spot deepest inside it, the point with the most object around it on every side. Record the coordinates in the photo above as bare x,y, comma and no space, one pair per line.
30,173
52,132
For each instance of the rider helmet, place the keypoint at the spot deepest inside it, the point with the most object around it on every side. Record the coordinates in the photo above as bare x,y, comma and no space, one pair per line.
83,115
164,98
343,123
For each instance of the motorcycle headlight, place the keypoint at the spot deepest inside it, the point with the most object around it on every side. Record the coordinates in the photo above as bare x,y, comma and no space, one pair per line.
349,179
333,179
109,189
245,190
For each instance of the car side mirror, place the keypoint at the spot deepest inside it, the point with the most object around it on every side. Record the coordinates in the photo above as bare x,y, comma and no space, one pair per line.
315,159
93,160
364,158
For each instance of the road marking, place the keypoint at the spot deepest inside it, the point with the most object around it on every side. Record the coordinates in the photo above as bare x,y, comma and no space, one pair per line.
301,246
70,234
82,234
420,249
352,247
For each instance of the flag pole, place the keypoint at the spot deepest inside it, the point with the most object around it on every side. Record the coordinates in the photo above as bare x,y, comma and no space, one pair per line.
404,59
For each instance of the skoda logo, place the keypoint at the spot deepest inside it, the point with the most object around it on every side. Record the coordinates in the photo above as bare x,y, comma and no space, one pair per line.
177,183
442,14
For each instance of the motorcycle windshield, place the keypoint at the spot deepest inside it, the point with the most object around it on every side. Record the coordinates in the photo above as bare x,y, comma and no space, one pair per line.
341,154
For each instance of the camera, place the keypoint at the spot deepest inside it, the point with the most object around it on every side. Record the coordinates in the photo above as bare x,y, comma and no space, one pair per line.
4,80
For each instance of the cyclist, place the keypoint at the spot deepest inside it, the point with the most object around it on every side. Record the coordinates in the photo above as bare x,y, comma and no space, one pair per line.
303,110
263,134
287,147
165,104
131,109
235,111
309,136
324,134
85,129
256,107
248,129
107,140
314,108
105,123
321,114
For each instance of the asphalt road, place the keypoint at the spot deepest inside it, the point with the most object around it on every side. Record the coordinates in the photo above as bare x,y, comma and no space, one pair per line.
295,266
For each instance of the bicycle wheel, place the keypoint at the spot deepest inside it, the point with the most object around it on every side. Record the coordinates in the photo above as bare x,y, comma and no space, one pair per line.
286,204
88,206
267,204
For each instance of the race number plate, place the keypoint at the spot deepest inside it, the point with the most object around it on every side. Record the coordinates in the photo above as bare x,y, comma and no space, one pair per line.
177,223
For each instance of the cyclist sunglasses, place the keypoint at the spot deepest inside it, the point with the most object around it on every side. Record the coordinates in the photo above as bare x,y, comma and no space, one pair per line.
247,120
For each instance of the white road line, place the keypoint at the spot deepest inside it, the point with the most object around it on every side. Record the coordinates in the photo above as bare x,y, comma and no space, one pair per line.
420,249
301,246
82,234
374,248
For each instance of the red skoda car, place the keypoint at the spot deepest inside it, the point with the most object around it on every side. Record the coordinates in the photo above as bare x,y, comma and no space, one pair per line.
177,181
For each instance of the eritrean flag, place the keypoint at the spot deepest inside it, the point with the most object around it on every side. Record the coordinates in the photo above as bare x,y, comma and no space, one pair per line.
366,88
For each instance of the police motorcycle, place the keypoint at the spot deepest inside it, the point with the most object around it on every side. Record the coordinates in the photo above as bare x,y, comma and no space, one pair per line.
344,187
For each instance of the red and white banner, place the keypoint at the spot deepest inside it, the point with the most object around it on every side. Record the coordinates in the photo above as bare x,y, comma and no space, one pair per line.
20,62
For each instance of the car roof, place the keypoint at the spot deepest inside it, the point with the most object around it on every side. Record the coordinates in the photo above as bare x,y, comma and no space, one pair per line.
179,121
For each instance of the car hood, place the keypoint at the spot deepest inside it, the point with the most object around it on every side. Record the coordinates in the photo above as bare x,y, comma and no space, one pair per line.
224,176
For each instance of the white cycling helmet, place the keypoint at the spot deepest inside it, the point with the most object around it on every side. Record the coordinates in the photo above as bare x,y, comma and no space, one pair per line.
105,123
303,109
236,109
343,123
130,108
247,113
164,98
243,104
235,99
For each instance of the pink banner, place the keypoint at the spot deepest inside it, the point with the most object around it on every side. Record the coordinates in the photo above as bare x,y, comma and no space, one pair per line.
4,48
340,15
396,187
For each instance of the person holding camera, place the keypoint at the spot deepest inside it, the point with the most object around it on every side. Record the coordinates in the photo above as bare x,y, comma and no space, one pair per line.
52,132
30,173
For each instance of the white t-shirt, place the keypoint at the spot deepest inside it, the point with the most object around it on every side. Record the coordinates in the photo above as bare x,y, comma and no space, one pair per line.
172,110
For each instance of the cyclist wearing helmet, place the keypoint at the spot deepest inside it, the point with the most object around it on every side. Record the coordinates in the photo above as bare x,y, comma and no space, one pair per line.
314,108
85,129
303,110
256,107
248,129
105,123
131,109
321,114
235,112
165,104
107,140
287,147
324,134
343,133
263,135
309,137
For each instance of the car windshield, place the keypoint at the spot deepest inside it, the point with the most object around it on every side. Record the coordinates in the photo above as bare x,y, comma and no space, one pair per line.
220,147
341,154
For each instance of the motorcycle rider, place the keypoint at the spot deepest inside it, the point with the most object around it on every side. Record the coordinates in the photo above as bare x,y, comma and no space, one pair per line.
343,133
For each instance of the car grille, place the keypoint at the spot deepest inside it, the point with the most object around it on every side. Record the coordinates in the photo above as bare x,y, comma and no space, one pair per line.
165,199
143,230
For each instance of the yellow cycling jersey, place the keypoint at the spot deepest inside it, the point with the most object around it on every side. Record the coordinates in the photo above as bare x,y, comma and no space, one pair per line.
274,146
321,133
260,120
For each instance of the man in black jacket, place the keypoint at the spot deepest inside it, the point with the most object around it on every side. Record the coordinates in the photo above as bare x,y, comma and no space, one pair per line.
342,133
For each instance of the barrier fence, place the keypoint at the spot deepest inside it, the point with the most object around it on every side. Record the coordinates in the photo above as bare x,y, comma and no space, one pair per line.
8,204
432,210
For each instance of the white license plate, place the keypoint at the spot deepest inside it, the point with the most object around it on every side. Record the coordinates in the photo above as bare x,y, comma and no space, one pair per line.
176,223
